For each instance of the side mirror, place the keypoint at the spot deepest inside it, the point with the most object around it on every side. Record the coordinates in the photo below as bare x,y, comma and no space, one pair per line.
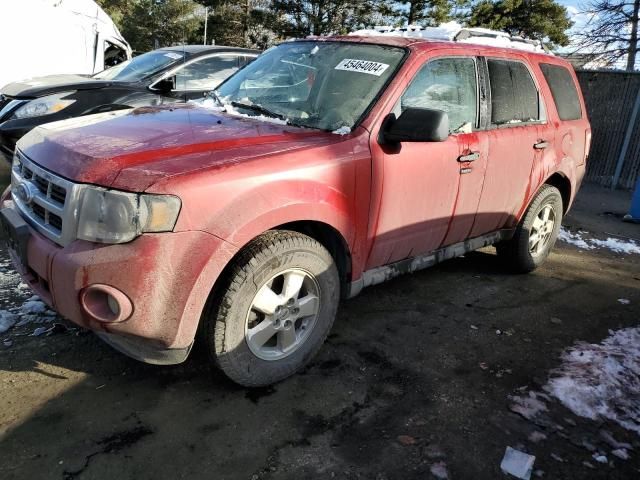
417,125
165,85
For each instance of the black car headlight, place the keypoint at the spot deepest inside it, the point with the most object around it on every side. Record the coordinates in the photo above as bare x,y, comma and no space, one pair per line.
42,106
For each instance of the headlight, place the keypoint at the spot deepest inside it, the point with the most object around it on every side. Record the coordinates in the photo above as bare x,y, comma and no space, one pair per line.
110,216
43,106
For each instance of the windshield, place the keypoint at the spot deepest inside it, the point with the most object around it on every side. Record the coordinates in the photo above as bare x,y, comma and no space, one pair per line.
325,85
141,67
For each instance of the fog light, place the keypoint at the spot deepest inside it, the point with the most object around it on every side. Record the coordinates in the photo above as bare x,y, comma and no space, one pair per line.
106,304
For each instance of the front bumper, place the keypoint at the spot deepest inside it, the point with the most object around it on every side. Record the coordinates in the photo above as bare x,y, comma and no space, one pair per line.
8,144
11,131
166,277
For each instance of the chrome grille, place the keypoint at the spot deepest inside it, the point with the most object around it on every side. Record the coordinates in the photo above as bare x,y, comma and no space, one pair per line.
44,199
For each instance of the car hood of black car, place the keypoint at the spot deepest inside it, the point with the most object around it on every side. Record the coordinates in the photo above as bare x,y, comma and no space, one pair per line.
41,86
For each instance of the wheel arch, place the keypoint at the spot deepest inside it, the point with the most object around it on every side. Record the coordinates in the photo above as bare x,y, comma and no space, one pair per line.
331,239
563,184
326,234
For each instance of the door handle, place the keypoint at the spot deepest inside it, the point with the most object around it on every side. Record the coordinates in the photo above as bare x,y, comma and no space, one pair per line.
471,157
541,145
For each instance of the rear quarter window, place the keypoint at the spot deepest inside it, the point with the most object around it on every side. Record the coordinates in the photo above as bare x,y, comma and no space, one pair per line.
563,90
514,96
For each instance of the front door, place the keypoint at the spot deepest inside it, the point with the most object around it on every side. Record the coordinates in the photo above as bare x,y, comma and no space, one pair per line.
430,190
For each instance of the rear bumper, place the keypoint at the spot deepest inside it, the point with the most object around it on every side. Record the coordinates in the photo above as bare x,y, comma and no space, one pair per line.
167,278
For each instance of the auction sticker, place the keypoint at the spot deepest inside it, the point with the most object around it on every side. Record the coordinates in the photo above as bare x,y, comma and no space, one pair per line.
362,66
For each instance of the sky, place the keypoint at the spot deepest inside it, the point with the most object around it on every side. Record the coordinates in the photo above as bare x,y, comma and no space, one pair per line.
569,3
579,20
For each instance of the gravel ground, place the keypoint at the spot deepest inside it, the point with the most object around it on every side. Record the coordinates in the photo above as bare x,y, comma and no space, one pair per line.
417,380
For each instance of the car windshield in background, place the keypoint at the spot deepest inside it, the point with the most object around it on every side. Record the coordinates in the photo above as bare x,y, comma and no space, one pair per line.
141,67
324,85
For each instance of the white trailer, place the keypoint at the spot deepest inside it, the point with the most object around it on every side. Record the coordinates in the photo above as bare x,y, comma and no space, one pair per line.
48,37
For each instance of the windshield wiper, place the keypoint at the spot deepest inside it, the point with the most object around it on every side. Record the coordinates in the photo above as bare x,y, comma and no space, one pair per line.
254,107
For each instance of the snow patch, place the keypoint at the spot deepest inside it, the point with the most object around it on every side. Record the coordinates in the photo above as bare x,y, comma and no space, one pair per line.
601,381
342,131
32,306
529,407
211,104
453,31
617,245
439,470
573,239
7,320
621,453
600,458
614,244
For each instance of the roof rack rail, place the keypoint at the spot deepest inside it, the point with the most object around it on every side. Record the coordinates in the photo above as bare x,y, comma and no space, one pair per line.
453,31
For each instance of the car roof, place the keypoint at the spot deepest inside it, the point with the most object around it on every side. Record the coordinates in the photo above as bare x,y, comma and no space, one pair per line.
428,44
202,49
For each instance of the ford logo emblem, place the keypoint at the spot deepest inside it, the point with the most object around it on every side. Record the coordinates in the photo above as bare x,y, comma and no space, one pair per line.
25,192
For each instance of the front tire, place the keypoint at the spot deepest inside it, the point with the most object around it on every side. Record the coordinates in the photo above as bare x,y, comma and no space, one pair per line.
536,234
275,309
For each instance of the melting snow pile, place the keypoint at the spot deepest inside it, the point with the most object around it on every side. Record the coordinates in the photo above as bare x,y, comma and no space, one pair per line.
32,311
613,244
602,381
595,381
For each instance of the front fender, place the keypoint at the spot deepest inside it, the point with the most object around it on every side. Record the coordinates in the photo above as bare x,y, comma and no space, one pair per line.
245,216
255,214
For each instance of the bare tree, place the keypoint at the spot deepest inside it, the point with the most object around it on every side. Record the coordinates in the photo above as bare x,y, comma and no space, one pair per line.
611,31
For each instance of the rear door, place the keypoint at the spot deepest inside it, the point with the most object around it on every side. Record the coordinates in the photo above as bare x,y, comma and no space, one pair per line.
572,136
516,129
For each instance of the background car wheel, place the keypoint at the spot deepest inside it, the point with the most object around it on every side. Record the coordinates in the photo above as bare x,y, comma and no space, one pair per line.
536,234
275,309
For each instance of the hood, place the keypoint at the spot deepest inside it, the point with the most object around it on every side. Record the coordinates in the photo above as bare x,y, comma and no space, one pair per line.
41,86
132,149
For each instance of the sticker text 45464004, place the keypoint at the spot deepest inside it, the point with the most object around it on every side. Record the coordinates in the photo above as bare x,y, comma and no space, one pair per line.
362,66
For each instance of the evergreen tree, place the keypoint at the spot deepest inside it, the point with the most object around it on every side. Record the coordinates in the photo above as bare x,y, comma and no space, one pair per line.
543,20
424,12
321,17
147,24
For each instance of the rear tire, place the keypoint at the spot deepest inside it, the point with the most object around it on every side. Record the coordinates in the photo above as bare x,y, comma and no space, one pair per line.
536,233
274,310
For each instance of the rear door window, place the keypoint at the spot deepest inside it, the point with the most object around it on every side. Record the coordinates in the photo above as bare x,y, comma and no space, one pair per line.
514,96
563,90
450,85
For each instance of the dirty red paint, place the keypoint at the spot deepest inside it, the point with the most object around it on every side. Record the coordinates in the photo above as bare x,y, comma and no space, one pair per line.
238,178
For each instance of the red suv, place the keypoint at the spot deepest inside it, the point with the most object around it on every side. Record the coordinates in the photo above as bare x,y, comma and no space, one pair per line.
323,167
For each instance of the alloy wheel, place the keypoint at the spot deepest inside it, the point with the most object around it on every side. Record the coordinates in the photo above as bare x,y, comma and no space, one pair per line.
282,314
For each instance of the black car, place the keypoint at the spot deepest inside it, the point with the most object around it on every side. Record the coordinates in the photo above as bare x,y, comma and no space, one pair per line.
174,74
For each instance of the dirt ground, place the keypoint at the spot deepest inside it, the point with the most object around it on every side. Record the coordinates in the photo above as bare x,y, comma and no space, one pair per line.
413,383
